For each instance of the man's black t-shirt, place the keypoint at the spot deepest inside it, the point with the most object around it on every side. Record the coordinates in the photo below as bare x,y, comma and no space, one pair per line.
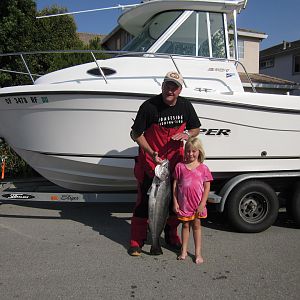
155,111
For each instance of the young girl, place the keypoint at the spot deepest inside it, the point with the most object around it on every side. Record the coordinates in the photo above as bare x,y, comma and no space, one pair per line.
190,191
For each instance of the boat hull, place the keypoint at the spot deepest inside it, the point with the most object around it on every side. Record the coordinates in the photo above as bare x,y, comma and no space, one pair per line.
81,141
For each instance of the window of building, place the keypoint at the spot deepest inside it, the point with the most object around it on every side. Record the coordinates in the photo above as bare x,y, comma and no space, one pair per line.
297,64
266,63
241,49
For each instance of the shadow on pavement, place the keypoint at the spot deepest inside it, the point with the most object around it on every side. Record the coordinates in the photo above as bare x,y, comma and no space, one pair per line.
104,218
216,221
112,220
284,220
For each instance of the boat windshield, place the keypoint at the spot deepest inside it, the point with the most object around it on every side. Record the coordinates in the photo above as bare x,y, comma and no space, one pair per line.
200,34
152,31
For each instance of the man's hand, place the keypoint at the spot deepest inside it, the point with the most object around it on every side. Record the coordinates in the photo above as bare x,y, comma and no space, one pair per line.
185,135
182,136
156,158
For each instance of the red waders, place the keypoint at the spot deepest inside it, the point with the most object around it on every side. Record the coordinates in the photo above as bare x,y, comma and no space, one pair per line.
159,139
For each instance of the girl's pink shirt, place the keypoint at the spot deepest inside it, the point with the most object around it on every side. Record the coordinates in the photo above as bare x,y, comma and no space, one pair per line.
190,187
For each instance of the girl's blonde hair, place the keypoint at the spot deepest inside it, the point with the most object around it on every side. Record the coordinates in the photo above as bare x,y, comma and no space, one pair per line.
195,143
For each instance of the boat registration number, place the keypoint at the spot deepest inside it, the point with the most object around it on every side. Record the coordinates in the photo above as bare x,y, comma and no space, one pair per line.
26,100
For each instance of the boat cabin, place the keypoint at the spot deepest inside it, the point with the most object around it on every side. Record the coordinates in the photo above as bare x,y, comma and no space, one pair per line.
193,28
190,36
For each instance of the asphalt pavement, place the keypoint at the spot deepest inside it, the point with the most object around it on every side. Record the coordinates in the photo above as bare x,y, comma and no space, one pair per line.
79,251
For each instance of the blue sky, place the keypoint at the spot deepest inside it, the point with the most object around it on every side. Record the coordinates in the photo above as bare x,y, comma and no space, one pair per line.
279,19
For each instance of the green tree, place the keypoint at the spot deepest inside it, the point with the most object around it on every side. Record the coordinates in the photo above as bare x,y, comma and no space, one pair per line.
20,31
95,43
56,33
16,17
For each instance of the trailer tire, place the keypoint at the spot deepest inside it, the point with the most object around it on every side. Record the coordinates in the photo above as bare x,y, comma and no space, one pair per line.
252,206
295,205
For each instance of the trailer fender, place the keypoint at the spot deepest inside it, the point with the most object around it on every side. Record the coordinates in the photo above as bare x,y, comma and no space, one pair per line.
233,182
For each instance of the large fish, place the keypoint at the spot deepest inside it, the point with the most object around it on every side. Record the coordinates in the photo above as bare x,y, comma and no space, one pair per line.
159,201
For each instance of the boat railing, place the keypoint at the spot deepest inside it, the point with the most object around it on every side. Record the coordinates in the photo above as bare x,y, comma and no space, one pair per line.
113,53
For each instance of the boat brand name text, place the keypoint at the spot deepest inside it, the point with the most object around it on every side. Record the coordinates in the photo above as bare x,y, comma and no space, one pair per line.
215,131
218,70
69,198
18,196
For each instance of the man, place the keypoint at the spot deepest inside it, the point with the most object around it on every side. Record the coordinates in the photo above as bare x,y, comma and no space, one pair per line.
162,123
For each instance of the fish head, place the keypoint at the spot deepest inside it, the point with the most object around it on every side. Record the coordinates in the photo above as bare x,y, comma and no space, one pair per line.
162,170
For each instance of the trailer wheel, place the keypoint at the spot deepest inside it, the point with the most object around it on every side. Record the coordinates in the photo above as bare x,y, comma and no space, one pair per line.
295,205
252,206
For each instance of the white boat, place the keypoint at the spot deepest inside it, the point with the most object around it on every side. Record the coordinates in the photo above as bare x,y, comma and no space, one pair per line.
72,126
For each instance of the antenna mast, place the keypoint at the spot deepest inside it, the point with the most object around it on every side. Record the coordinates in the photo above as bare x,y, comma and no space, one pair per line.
89,10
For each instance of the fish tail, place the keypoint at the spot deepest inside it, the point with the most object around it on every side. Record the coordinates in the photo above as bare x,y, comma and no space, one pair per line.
156,250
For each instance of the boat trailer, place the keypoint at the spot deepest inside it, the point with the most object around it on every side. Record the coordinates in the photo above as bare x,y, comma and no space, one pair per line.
249,200
40,189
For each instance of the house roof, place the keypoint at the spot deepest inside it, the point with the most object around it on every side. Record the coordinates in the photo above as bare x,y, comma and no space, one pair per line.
250,33
281,49
262,80
250,30
112,33
86,37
